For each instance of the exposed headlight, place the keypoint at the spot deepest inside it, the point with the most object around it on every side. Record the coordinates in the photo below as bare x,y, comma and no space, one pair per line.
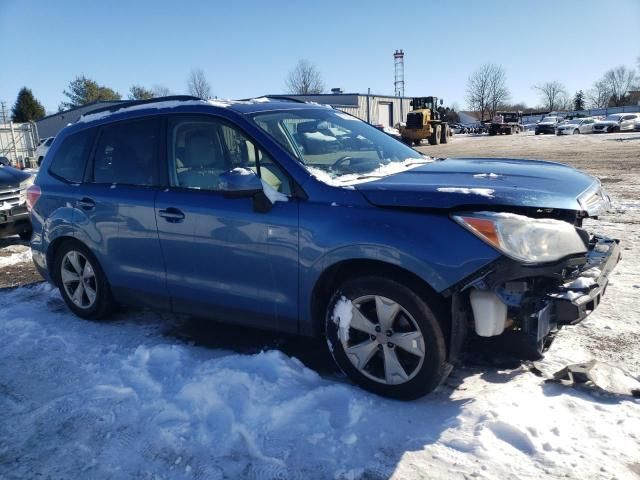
23,188
595,201
529,240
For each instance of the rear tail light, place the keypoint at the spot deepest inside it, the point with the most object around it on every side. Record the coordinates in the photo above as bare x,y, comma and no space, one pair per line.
33,194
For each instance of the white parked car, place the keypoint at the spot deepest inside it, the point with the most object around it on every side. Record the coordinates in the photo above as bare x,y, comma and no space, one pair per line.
42,149
616,122
577,125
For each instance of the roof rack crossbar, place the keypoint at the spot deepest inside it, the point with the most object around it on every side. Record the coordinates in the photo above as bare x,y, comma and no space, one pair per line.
114,108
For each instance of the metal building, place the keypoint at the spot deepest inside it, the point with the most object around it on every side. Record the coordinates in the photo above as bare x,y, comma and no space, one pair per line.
49,126
375,109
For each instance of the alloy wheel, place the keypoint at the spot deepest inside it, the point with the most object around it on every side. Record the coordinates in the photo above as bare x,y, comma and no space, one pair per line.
78,279
384,342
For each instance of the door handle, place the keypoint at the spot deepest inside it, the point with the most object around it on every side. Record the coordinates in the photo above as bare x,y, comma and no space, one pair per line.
86,203
172,215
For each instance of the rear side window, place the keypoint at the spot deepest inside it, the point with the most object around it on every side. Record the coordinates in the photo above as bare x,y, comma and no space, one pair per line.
127,153
71,158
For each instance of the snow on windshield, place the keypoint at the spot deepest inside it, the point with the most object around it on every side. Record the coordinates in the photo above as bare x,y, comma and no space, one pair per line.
336,148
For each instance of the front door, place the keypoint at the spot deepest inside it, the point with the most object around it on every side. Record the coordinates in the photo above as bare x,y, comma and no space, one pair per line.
223,259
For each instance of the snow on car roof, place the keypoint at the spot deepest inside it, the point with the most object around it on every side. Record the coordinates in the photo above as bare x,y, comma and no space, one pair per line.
243,106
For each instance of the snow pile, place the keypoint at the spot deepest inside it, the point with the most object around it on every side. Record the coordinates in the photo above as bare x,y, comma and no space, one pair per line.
121,400
342,317
356,178
483,192
18,254
272,194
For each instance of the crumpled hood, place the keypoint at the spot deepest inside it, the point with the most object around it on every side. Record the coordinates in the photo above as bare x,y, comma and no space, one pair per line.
11,177
461,182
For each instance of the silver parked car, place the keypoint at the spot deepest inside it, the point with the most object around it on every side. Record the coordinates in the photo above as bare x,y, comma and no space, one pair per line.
616,122
575,126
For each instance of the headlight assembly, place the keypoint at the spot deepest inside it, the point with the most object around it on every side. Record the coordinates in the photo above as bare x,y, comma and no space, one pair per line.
529,240
23,188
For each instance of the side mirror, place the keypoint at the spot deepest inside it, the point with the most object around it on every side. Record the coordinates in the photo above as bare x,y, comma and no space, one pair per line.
240,182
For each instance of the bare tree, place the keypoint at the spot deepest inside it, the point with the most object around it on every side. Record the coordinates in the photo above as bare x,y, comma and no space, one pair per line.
598,96
553,95
198,85
487,90
304,79
161,91
619,81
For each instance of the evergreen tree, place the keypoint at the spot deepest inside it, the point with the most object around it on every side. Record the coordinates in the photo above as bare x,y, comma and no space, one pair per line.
137,92
83,90
26,108
578,101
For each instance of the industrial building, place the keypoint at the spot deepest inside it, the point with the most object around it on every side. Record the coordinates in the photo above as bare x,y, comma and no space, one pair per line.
50,125
383,110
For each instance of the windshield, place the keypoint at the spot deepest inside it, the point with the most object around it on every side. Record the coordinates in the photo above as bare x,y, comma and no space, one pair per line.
612,118
550,119
337,148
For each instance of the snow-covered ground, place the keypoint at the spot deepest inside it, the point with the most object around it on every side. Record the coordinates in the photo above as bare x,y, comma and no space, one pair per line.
127,399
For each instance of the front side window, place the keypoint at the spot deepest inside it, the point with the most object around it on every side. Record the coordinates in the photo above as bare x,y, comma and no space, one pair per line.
201,149
71,158
127,153
337,148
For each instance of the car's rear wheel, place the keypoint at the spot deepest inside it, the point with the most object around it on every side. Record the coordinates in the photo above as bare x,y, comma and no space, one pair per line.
82,282
386,338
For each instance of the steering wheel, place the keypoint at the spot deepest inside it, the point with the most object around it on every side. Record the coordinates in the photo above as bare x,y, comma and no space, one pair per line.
341,162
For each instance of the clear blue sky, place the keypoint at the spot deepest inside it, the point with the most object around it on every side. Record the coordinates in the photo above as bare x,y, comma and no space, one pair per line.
247,47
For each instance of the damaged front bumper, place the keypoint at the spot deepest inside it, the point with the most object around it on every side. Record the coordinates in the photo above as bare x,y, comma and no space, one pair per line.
584,288
533,302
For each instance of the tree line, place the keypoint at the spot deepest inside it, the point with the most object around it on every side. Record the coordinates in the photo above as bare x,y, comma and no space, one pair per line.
487,91
305,78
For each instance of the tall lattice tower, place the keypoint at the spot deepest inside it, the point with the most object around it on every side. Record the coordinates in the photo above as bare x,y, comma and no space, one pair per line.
398,84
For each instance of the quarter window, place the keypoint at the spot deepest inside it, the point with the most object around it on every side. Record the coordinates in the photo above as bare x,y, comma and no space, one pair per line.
127,153
70,159
202,149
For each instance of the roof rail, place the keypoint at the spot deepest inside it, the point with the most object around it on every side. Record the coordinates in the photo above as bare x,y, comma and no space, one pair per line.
125,104
284,98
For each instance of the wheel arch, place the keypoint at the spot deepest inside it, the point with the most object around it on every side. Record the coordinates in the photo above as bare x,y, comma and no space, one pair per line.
340,271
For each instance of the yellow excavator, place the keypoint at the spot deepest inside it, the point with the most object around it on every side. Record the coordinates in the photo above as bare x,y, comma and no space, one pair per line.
423,122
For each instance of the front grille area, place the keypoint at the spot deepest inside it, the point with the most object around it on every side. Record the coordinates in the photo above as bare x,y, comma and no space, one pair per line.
414,120
9,198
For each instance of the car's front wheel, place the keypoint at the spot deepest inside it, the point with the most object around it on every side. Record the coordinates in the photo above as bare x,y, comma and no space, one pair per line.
82,282
386,338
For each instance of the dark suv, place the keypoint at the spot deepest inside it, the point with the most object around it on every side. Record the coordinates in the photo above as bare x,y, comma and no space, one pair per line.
14,218
304,219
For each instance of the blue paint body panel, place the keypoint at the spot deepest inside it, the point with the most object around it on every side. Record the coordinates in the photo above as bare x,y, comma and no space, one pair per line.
228,261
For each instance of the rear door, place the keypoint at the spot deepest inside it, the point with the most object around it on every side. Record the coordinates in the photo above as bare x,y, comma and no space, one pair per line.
223,258
116,209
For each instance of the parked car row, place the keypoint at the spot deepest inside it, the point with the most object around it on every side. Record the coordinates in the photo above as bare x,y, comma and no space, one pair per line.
616,122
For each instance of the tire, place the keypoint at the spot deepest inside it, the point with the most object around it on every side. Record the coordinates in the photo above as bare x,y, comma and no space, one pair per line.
417,142
26,235
537,133
420,371
444,133
576,132
64,268
40,161
434,138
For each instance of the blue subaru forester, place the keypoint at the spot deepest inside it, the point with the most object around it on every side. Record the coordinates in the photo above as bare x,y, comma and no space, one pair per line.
300,218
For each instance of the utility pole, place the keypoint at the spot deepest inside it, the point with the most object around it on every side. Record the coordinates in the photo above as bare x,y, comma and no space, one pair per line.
3,110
